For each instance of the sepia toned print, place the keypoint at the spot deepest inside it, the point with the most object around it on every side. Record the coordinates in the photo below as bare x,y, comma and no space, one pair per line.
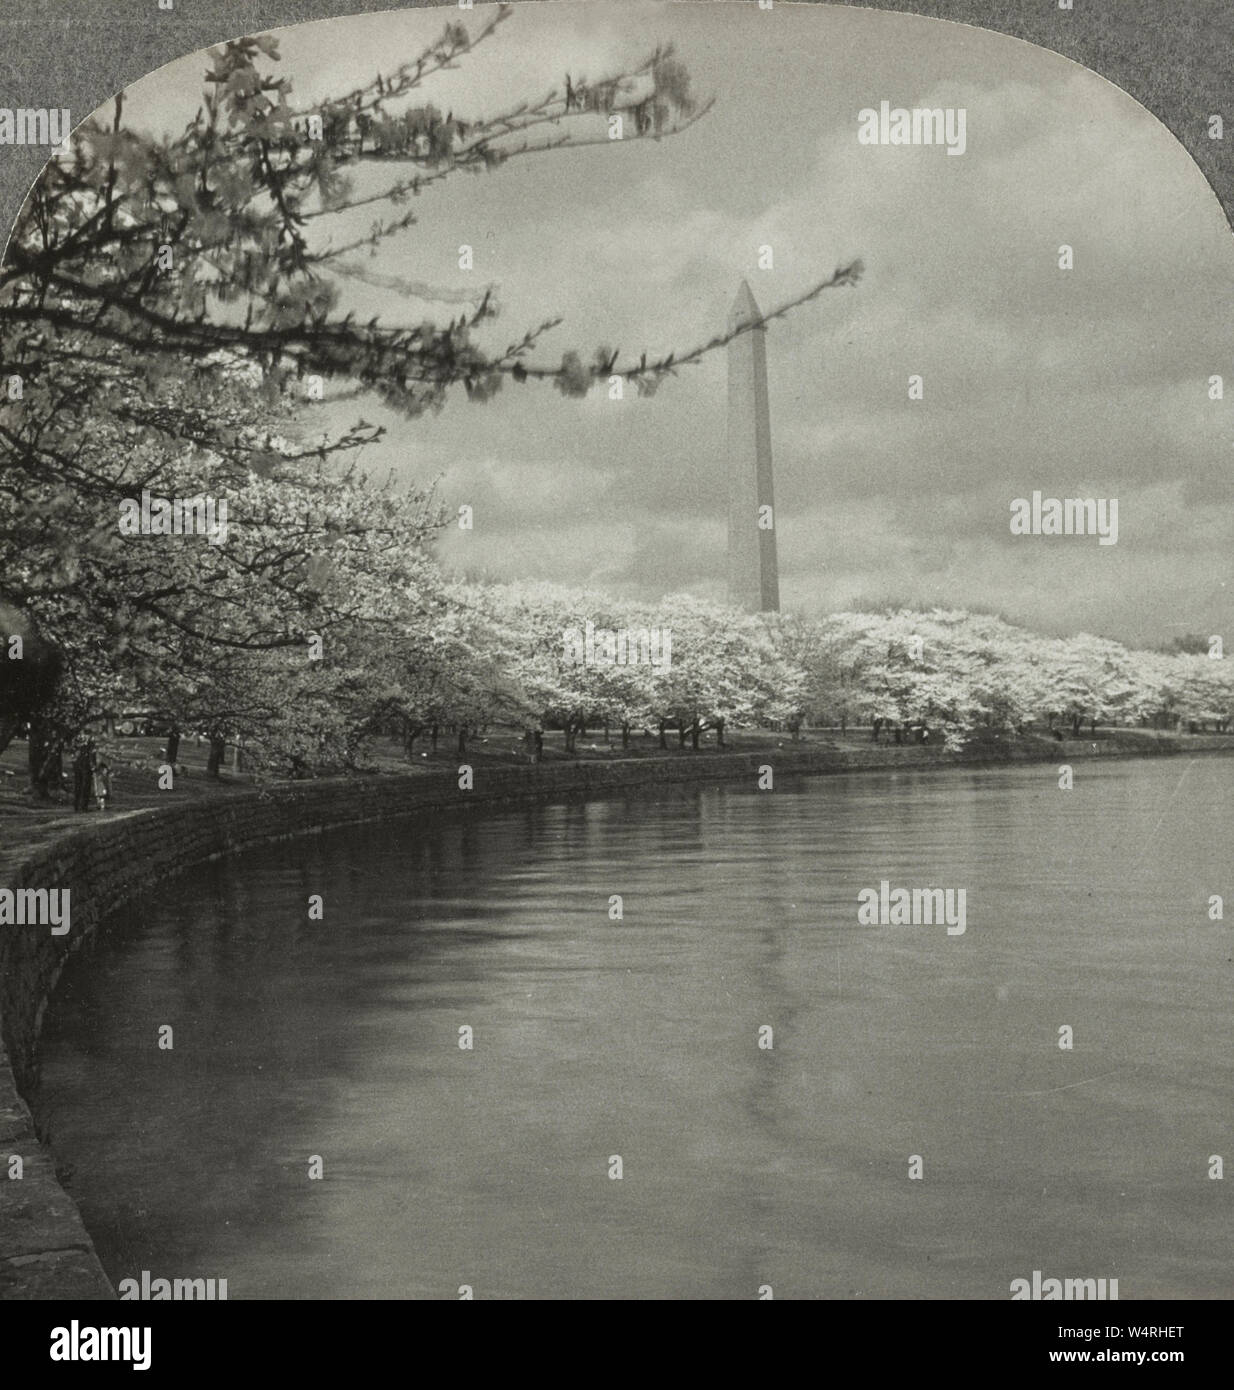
616,618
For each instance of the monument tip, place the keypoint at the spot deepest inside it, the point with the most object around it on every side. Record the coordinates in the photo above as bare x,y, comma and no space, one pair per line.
744,309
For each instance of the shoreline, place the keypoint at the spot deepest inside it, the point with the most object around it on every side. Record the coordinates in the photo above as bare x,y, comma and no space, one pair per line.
45,1250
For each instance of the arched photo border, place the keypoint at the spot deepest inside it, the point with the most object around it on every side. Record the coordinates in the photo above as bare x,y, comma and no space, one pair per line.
1167,56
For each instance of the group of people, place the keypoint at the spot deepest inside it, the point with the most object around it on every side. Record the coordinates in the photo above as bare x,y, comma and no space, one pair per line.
91,777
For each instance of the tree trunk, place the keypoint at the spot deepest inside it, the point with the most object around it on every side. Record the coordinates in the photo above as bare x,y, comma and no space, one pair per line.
39,760
462,741
719,733
625,736
682,730
663,740
8,730
434,738
695,729
34,761
81,778
215,759
172,751
874,728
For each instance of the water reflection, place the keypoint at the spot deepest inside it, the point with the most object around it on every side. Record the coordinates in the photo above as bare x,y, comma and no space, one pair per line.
638,1037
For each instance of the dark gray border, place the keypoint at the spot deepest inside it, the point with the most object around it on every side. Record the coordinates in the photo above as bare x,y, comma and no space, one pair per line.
1173,56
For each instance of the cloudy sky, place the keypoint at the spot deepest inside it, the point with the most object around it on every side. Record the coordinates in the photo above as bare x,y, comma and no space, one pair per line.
1092,382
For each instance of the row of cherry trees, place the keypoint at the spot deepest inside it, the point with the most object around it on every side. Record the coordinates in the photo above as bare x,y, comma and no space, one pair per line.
323,627
955,673
509,655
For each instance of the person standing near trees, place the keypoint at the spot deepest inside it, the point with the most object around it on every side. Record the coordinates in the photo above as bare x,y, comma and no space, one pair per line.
102,782
82,774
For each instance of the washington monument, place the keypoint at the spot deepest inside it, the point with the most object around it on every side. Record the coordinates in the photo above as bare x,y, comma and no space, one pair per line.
753,575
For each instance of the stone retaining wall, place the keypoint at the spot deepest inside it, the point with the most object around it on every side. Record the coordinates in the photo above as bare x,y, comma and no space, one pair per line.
44,1249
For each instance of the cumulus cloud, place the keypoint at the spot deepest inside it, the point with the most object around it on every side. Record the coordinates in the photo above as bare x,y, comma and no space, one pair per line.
1092,379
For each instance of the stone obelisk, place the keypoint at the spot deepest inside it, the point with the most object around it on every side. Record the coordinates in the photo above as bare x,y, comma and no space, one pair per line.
753,575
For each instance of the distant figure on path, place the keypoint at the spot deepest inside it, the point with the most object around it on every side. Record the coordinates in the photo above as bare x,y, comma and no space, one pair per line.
83,768
102,782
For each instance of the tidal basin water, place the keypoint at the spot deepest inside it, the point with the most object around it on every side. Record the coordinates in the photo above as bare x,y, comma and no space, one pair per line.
638,1037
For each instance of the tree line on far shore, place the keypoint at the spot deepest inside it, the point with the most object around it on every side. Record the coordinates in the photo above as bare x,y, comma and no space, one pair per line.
431,655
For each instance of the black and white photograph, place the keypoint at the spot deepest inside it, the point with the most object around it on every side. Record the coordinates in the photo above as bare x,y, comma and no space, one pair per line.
616,670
